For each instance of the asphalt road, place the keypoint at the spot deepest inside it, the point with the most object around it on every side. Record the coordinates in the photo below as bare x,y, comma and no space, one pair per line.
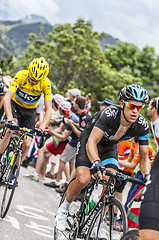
32,211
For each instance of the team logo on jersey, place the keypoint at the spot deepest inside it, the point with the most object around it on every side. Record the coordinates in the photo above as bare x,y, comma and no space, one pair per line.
111,112
26,97
143,122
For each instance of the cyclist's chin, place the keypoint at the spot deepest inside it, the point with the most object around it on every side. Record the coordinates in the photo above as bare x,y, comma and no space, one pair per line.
132,120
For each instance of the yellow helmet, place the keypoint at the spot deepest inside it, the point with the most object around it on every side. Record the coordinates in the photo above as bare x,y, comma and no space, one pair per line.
38,69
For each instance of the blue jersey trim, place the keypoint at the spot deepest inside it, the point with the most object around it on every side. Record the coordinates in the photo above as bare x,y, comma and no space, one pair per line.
25,101
145,137
110,161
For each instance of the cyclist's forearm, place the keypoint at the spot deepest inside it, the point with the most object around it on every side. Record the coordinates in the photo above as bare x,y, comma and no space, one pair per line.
7,108
46,119
145,166
144,159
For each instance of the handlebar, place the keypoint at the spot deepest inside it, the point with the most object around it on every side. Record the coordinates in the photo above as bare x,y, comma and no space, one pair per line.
119,176
27,131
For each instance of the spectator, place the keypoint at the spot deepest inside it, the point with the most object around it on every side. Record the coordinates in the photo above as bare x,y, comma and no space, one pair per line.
84,117
103,104
5,82
73,94
131,163
88,101
123,149
52,146
69,153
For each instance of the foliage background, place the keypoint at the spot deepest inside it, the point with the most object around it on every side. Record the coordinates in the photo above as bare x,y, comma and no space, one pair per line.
77,59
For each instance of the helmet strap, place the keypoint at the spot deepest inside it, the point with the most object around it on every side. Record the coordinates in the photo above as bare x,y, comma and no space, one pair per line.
124,114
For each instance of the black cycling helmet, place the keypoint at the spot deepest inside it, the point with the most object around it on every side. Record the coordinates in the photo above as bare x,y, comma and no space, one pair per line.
134,92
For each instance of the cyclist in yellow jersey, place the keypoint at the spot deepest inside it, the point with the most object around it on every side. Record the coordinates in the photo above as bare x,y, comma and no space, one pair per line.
22,98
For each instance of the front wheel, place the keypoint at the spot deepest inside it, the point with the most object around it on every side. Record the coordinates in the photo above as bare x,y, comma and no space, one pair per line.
131,235
105,228
9,185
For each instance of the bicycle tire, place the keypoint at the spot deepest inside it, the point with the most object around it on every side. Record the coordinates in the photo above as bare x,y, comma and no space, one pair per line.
131,235
71,231
109,232
3,161
7,194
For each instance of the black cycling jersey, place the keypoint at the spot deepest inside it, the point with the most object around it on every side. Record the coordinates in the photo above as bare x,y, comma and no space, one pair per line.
108,120
1,88
149,210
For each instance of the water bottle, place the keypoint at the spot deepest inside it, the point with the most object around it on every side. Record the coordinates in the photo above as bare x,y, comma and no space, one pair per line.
92,203
9,156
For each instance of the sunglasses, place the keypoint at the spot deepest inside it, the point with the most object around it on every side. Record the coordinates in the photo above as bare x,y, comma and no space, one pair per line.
33,80
133,106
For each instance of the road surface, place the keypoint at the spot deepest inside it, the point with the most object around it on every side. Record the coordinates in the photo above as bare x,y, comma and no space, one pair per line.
32,211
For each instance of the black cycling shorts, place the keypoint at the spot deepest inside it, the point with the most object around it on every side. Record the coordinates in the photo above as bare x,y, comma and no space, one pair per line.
149,211
109,157
25,116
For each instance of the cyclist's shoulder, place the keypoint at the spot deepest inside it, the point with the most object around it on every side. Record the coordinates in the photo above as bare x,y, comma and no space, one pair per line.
22,74
45,81
112,112
142,123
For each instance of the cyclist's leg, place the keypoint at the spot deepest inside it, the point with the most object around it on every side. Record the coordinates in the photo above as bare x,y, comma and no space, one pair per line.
5,141
26,145
26,119
110,160
82,179
147,234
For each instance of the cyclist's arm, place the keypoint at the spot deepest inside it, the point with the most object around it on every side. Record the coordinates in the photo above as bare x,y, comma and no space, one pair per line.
144,159
91,146
47,116
7,105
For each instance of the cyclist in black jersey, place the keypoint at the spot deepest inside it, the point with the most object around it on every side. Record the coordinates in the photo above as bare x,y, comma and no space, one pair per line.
97,144
149,211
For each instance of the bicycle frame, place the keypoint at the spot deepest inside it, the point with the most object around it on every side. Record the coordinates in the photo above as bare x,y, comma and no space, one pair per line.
102,203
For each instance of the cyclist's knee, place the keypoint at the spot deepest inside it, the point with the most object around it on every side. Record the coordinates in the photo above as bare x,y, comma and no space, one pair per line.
83,180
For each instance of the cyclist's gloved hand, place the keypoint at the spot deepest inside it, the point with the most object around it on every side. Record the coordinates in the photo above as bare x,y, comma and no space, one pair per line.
39,132
97,166
13,125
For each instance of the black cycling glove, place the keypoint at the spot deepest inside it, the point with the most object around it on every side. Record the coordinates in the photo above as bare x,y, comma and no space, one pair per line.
97,166
13,125
39,132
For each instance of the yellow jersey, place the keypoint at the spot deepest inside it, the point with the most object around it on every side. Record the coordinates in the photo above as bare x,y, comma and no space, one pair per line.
27,95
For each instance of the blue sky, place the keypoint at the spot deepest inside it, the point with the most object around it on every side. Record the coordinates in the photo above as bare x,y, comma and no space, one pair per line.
134,21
